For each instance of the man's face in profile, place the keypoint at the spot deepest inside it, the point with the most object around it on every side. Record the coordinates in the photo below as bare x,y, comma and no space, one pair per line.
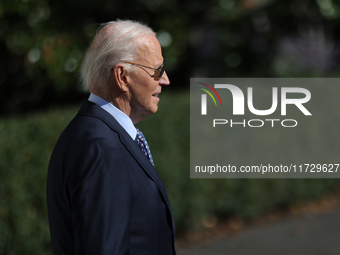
144,88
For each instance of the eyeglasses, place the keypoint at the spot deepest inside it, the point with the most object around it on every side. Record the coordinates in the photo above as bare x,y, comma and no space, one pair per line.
158,71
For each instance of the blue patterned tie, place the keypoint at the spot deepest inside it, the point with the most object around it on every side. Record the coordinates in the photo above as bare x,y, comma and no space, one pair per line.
140,139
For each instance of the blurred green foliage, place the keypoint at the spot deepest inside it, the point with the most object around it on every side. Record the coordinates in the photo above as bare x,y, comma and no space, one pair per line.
26,144
42,42
25,147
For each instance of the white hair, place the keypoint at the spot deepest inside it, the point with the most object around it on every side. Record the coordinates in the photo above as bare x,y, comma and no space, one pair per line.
114,42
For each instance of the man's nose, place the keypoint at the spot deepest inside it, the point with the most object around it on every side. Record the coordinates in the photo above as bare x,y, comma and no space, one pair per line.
164,80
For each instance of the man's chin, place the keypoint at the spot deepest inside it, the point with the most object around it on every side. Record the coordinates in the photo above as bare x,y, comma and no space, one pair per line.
153,106
154,109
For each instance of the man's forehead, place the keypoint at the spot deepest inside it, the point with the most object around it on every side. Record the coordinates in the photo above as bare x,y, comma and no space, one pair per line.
149,47
147,42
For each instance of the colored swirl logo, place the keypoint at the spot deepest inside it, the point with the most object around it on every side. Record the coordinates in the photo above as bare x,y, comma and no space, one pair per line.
204,97
208,92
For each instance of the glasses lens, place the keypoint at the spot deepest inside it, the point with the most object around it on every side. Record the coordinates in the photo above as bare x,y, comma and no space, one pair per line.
159,72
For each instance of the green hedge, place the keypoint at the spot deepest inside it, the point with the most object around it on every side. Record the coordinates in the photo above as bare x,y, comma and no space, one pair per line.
26,144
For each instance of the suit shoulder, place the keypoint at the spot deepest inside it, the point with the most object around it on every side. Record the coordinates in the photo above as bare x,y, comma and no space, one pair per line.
89,127
83,132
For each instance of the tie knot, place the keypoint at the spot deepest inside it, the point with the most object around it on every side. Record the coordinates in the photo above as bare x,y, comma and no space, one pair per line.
140,135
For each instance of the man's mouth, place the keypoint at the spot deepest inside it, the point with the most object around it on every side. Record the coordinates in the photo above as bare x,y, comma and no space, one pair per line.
155,95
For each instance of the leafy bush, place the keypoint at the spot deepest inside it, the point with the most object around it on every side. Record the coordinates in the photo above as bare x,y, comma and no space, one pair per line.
26,144
42,43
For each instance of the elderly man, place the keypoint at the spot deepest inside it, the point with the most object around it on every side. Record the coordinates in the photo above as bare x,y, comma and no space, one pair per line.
104,195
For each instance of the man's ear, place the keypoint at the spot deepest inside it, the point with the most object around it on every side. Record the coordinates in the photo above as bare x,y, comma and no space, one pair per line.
120,77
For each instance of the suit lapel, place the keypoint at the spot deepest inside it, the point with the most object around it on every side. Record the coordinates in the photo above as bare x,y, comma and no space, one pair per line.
137,153
150,170
91,109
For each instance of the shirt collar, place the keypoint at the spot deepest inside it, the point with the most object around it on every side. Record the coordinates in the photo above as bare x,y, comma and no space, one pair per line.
121,117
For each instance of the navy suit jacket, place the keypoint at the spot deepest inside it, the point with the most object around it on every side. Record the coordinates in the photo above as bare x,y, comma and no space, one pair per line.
103,194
